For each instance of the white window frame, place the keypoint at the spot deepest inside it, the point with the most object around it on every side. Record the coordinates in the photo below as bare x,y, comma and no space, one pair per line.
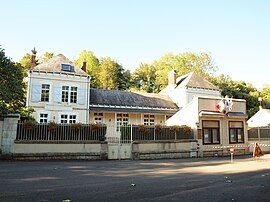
66,93
121,119
69,91
43,118
43,112
68,117
72,91
149,119
45,89
98,117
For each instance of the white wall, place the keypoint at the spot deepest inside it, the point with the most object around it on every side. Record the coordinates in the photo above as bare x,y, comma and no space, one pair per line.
183,96
55,107
21,148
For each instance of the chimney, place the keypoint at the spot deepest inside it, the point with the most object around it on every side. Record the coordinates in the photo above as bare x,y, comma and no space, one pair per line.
33,58
84,66
172,77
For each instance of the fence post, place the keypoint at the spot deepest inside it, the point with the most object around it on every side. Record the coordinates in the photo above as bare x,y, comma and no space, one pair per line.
154,132
9,133
259,134
131,138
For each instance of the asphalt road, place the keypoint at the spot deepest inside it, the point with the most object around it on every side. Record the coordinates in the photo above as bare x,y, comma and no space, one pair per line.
214,179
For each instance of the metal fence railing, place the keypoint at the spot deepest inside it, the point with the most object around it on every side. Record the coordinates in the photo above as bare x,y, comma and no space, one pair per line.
153,133
98,132
61,132
261,133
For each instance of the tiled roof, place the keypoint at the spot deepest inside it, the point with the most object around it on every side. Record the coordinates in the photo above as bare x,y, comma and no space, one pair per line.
54,65
194,81
131,100
191,80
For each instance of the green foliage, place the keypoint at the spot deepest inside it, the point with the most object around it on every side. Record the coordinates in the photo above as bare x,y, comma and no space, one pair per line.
184,63
144,78
92,66
46,56
241,90
112,75
12,91
26,62
26,113
154,77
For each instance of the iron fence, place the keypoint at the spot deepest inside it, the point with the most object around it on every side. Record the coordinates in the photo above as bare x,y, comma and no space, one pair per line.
61,132
153,133
99,132
261,133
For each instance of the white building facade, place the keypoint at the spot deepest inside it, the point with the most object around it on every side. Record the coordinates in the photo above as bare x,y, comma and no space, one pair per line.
59,92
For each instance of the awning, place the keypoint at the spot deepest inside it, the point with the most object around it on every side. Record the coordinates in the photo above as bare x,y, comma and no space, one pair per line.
219,114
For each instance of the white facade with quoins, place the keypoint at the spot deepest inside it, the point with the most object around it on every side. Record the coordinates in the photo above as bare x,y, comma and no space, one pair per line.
58,95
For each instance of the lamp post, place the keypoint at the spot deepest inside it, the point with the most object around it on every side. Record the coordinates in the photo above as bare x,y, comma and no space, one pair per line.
260,107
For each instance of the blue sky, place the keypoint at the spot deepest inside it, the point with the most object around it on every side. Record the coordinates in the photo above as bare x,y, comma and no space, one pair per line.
236,33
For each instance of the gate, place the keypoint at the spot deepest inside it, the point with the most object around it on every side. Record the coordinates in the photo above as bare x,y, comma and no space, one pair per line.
119,147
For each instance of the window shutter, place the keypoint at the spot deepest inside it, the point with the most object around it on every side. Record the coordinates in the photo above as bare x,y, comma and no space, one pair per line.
57,94
81,96
36,93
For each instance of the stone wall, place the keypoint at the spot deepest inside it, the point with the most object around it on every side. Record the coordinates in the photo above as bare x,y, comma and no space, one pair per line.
34,151
164,149
9,131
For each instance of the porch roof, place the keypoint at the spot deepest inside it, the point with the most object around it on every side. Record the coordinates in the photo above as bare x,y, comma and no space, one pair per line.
115,100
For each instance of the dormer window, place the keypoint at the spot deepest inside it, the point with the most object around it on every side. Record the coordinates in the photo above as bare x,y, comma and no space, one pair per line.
67,67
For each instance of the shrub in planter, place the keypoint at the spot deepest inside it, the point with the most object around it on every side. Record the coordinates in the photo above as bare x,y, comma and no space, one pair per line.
29,124
187,130
76,127
143,129
158,128
96,126
175,129
52,126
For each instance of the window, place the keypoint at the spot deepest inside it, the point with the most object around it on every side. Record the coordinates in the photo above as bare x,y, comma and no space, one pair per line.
65,90
43,118
68,118
236,132
211,134
98,117
45,92
67,67
121,120
149,120
73,94
69,94
72,118
64,118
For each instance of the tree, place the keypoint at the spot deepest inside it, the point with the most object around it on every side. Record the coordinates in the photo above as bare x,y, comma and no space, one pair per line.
183,63
92,66
12,92
202,64
46,56
26,61
239,90
112,75
144,78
